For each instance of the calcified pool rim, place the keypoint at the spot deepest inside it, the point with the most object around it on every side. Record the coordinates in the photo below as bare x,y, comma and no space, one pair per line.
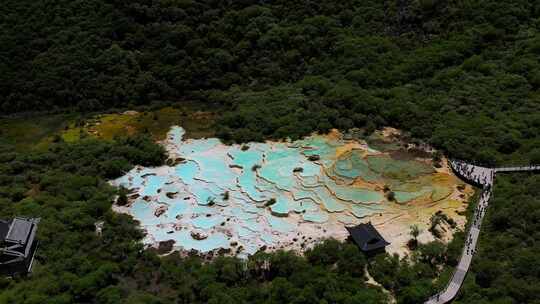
243,198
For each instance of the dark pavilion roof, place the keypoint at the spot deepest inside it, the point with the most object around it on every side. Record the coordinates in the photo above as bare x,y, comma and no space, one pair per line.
17,245
19,231
4,228
367,237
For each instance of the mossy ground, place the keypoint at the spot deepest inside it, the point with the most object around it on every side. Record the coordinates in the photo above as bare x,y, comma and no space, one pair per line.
35,132
38,132
156,123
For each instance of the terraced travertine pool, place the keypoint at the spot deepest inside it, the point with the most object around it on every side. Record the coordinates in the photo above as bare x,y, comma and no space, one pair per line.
242,198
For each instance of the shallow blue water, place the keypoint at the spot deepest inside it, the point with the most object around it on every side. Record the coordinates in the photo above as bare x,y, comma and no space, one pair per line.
183,237
187,172
316,217
152,184
205,222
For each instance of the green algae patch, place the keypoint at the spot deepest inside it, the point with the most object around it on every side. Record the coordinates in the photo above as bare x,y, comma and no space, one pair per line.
402,197
398,169
440,192
378,141
353,165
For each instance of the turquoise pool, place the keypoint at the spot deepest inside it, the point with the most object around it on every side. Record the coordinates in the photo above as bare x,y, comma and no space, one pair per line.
259,194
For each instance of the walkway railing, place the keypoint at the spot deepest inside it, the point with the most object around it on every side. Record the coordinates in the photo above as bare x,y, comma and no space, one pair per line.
517,169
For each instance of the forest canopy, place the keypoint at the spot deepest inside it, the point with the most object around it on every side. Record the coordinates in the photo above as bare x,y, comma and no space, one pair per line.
463,76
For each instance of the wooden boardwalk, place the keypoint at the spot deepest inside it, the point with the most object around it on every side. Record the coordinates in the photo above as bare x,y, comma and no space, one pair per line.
483,177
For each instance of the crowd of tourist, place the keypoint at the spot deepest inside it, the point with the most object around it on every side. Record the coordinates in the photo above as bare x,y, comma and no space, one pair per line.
481,176
484,177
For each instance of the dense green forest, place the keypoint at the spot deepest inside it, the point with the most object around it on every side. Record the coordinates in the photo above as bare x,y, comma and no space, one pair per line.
463,76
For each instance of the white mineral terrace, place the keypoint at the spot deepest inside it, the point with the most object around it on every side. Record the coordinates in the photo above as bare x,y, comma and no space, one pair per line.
271,195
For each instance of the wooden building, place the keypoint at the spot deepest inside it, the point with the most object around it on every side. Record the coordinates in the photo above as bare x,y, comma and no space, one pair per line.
18,245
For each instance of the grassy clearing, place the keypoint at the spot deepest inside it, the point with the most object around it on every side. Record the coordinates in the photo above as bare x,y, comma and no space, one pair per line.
157,123
34,132
38,132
